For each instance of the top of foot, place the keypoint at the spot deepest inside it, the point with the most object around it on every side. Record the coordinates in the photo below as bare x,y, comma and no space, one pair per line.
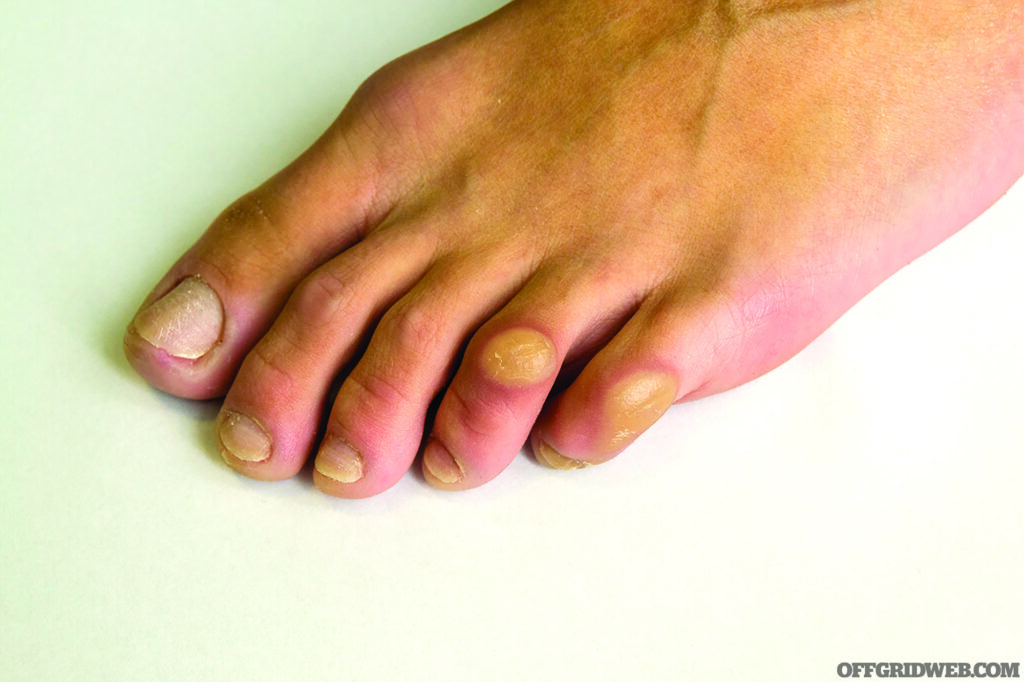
555,223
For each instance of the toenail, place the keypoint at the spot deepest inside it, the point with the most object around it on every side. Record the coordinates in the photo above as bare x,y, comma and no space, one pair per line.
243,438
186,322
519,357
551,457
339,461
635,403
440,463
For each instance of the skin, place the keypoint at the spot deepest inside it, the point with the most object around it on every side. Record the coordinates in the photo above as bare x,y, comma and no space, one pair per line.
662,199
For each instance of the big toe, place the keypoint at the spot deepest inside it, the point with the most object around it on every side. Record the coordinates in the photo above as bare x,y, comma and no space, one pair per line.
191,333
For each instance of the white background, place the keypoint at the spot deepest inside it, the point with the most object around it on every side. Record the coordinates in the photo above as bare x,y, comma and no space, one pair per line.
860,503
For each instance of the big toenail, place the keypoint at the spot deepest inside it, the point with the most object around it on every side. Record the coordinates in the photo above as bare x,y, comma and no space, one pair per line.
549,456
440,463
339,461
637,402
243,438
519,357
186,322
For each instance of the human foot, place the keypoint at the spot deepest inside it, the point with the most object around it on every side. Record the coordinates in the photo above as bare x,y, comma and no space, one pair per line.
655,201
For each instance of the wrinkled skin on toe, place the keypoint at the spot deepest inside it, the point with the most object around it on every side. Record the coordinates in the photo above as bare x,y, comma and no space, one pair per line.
556,222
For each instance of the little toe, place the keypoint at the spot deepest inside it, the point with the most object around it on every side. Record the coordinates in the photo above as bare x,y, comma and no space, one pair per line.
661,356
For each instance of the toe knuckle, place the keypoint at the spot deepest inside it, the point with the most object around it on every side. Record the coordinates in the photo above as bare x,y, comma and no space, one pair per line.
480,417
377,393
245,242
248,211
318,298
412,331
264,368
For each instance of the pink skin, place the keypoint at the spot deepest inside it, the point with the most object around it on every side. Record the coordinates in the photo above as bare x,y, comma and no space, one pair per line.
685,190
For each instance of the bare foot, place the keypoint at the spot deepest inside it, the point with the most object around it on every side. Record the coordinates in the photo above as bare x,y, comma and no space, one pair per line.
658,200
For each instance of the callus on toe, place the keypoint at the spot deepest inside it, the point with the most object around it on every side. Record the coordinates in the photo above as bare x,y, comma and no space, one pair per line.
519,357
186,322
635,403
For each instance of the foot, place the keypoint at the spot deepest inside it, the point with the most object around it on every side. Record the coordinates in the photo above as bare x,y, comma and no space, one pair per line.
572,214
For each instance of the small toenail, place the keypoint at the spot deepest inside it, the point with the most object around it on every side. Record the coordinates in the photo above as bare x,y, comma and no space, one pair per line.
519,357
440,463
243,438
551,457
339,461
635,403
186,322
